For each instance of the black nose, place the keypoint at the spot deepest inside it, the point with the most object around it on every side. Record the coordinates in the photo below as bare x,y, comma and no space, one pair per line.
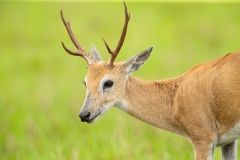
84,116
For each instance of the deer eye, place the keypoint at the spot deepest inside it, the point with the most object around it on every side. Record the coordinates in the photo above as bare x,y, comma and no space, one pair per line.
108,84
84,83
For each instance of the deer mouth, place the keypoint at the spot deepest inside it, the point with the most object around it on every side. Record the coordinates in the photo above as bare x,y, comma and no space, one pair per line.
92,119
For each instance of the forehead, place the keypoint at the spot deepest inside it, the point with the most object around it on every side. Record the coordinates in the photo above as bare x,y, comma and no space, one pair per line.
98,70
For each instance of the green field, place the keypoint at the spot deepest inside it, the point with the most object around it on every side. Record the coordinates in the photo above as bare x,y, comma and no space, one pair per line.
41,85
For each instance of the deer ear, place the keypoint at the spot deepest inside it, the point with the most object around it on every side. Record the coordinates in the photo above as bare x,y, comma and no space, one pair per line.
95,55
134,63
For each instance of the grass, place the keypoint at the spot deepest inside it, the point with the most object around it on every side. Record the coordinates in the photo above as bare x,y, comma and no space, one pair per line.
41,85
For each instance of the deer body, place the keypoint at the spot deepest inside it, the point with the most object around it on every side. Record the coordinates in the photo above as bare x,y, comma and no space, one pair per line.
202,105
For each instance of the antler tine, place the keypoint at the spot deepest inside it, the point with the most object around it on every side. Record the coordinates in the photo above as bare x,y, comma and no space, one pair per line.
115,52
81,52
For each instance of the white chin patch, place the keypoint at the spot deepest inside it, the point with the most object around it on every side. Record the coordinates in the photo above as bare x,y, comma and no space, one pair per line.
121,105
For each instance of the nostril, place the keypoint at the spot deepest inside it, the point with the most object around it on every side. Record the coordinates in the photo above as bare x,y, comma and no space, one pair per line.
87,115
84,116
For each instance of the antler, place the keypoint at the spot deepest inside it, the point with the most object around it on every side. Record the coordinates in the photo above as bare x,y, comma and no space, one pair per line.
81,52
115,52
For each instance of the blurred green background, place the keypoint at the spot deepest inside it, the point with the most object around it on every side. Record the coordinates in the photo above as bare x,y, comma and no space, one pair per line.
41,85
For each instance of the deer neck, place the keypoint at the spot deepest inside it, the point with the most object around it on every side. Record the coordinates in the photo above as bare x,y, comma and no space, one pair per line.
152,101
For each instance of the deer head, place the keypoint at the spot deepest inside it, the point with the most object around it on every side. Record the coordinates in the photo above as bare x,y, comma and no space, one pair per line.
105,81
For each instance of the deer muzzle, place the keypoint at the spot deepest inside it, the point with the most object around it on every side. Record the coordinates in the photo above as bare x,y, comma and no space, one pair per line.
88,117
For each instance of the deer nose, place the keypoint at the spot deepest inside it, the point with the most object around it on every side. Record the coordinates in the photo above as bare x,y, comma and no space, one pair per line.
84,116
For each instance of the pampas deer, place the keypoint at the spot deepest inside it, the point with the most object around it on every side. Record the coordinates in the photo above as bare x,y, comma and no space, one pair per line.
203,104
